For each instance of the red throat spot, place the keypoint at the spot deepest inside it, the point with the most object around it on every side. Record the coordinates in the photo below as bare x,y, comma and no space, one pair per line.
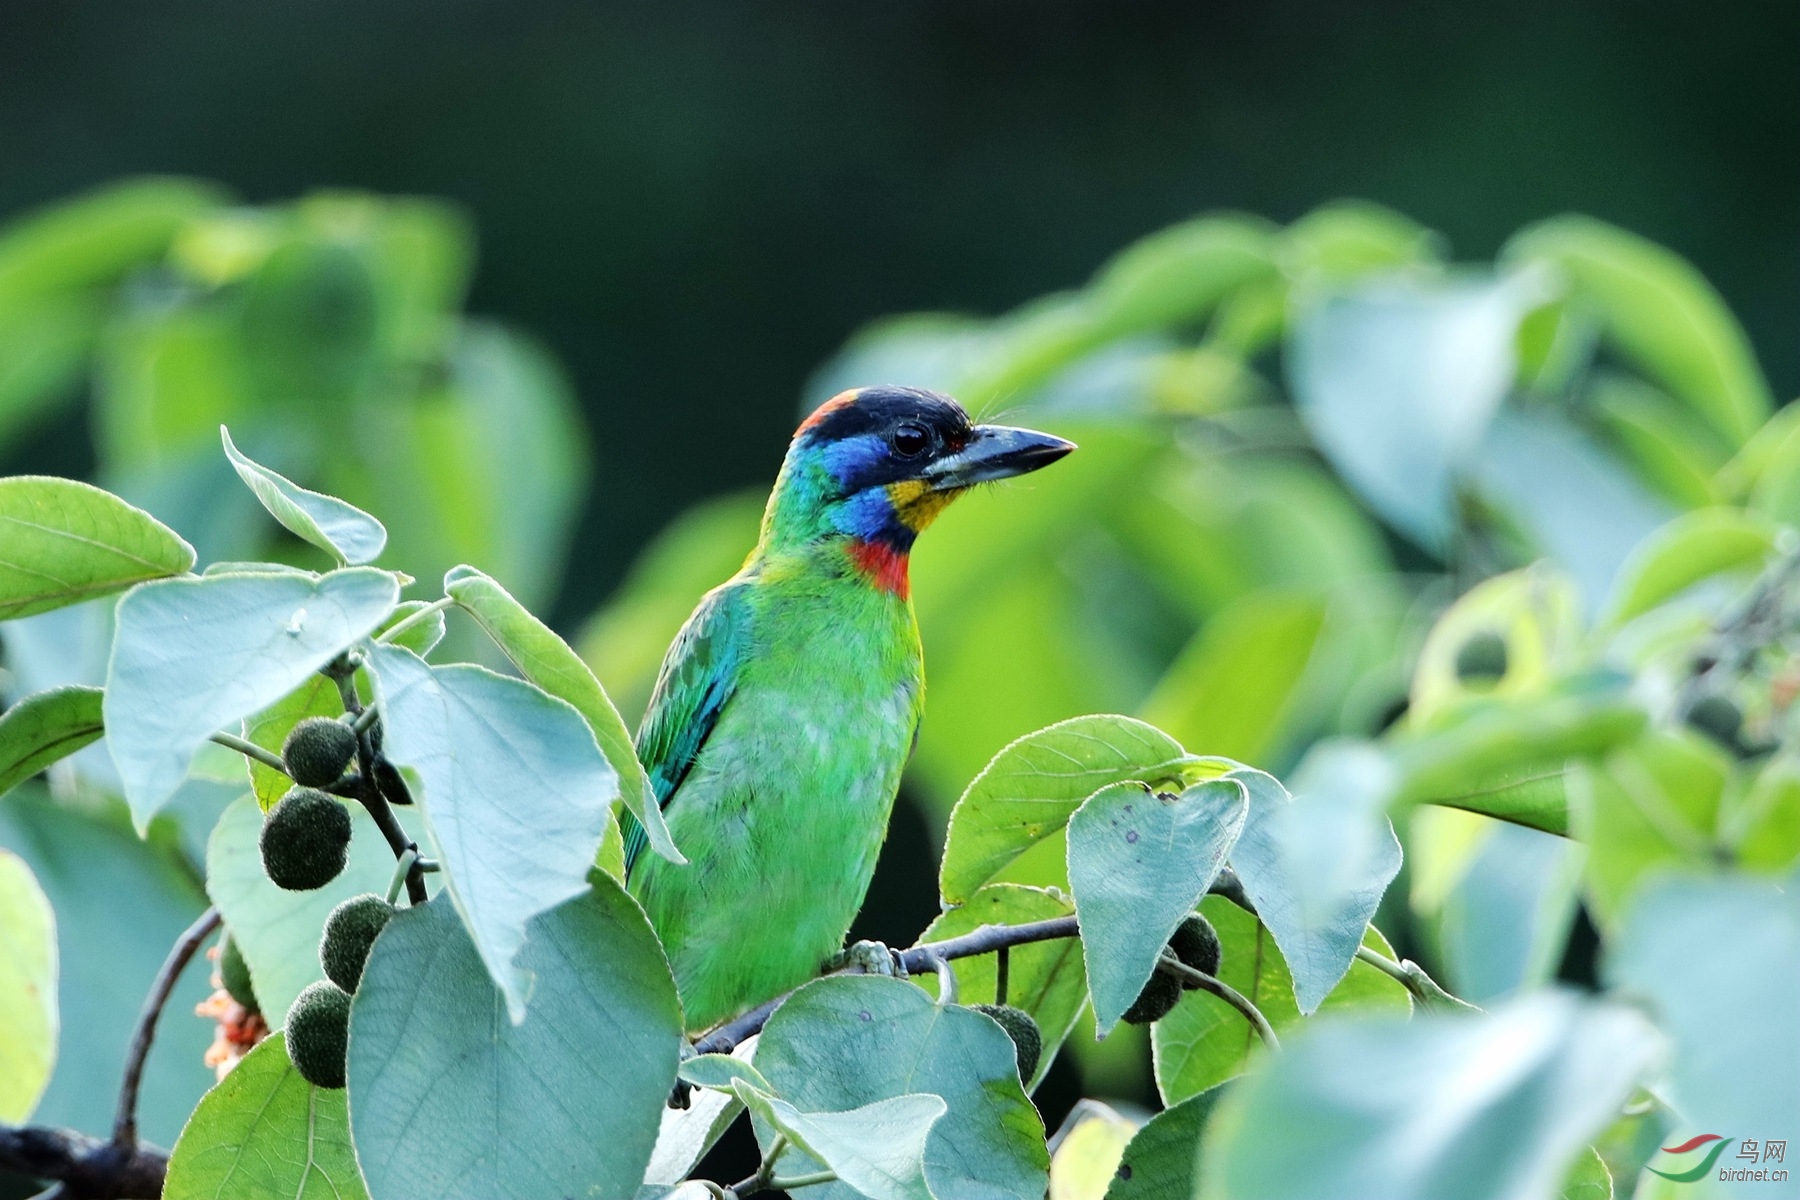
884,566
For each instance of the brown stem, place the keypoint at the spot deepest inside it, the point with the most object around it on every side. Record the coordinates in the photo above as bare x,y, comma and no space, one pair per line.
125,1121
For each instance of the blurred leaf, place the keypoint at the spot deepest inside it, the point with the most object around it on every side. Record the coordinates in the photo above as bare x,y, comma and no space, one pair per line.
27,989
277,930
1233,687
45,728
1765,828
120,904
1445,1108
264,1133
877,1149
192,656
98,236
470,740
846,1041
1088,1149
1177,275
308,324
450,1099
167,379
1588,1179
547,661
1317,865
1674,450
1138,863
1651,805
67,542
625,641
345,532
1719,962
1398,379
1347,238
1659,312
317,696
1046,979
1693,547
1032,786
1536,611
1159,1161
45,343
1205,1041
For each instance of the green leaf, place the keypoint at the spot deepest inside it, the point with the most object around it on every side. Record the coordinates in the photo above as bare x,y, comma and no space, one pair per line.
1650,806
1317,866
27,989
120,903
688,1133
846,1041
264,1133
345,532
46,728
878,1149
1347,238
67,542
1138,863
317,696
1718,961
1694,546
1089,1148
1660,313
720,1072
1176,275
192,656
547,661
422,636
450,1099
514,791
1255,651
1588,1179
1046,979
1159,1162
1205,1041
96,237
1030,789
278,930
1490,1107
1535,611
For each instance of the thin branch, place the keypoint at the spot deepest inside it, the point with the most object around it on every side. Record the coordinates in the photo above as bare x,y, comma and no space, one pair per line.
86,1167
125,1120
1412,976
765,1171
251,750
370,796
1224,991
787,1183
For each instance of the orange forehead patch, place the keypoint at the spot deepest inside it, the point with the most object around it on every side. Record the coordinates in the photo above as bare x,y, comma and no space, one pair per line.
826,409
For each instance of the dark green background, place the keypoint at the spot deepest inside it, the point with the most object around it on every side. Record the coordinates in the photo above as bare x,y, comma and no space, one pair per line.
695,203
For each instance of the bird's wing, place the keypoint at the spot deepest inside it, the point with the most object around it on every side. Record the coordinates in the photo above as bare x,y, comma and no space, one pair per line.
698,677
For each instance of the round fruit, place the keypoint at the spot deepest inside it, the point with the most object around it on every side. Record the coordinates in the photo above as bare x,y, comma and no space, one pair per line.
1027,1038
1196,943
305,840
318,1033
1482,658
318,751
1155,1001
234,973
349,932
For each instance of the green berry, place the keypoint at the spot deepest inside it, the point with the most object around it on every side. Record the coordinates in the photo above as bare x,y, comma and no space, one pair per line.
318,1033
1027,1038
318,751
349,932
234,973
305,840
1482,658
1196,943
1718,718
1155,1001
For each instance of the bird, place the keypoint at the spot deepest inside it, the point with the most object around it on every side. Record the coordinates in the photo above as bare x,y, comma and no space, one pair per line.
788,704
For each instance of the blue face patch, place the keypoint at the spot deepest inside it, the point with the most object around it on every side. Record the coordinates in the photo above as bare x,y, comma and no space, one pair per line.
854,458
868,515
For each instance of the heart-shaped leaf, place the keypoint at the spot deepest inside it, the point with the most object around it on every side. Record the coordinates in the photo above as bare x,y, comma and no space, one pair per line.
193,656
1138,863
514,791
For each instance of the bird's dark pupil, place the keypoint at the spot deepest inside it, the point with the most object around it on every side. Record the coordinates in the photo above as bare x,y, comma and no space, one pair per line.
910,440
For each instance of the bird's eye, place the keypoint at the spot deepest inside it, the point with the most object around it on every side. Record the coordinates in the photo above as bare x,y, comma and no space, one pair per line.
910,441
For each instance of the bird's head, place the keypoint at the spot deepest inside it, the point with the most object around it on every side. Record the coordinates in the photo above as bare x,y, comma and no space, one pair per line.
874,466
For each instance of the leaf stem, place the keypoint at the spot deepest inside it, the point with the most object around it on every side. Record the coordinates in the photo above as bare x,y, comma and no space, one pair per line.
787,1183
1412,976
1002,969
402,868
250,749
124,1138
411,619
1224,991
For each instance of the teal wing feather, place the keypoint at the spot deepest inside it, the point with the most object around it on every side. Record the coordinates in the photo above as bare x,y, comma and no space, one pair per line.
698,677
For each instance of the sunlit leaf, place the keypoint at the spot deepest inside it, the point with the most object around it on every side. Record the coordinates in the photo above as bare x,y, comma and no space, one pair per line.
1089,1146
1159,1161
1693,547
317,696
45,728
342,530
28,1013
877,1149
66,542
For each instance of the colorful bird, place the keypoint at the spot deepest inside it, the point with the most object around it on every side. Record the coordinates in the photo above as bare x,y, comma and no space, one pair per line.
788,703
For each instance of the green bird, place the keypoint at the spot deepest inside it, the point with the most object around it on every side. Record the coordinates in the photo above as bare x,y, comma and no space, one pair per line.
789,702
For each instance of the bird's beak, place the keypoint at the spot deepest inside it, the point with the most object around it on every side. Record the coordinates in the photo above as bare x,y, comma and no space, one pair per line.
995,452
